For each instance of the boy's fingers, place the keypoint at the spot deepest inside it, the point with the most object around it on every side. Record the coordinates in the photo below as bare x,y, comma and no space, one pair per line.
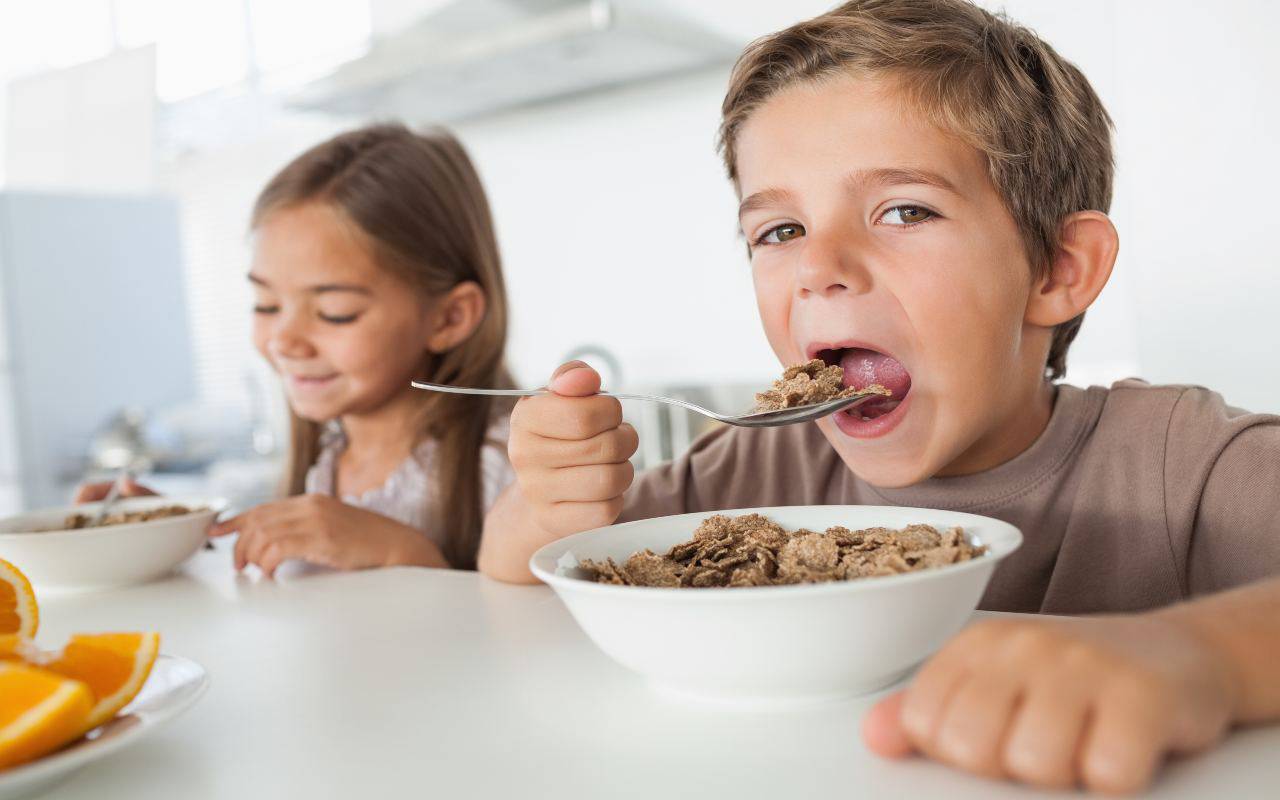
587,484
575,379
1124,743
611,447
882,728
1044,741
927,697
566,418
973,726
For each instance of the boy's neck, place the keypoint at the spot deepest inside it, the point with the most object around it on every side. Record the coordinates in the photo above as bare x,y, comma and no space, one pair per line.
1011,438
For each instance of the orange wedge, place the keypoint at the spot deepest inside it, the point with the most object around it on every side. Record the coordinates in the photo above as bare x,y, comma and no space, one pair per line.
18,611
114,665
39,712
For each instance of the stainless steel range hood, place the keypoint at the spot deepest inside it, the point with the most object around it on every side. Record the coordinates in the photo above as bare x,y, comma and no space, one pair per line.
474,57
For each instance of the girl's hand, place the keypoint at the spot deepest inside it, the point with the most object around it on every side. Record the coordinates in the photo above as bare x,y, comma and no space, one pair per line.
324,530
93,492
1097,702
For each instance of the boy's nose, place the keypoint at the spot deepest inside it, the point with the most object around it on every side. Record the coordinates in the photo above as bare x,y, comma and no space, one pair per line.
830,266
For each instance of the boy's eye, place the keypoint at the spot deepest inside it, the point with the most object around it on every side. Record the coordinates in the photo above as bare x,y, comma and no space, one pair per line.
906,215
265,309
781,234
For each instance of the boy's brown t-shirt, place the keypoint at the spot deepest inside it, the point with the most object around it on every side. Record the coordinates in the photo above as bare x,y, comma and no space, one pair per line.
1133,497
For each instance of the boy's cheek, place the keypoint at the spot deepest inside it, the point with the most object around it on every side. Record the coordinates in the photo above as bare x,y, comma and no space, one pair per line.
773,301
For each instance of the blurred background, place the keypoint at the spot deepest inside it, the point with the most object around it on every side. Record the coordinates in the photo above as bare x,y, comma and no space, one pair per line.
134,135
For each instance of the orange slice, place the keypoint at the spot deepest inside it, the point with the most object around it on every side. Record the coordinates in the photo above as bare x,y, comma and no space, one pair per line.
15,647
18,611
39,712
114,665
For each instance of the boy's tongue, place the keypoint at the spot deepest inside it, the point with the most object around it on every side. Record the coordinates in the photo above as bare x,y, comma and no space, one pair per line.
865,367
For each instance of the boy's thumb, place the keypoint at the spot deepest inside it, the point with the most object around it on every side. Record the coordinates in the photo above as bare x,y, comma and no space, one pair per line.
575,379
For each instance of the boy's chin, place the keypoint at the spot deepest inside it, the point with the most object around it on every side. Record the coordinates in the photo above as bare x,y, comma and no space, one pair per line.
874,463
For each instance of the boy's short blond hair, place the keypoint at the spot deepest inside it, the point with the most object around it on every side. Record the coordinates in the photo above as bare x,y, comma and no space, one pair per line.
990,81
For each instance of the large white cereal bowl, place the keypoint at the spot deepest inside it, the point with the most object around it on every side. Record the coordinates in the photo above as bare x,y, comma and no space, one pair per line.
774,645
112,555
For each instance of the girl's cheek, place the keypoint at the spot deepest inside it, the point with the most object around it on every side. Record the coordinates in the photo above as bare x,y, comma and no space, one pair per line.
261,340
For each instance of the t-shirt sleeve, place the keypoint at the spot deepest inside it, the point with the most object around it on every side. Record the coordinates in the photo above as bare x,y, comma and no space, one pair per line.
1235,525
675,487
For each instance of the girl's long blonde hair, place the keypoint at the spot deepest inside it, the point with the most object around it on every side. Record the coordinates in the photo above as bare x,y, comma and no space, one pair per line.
418,199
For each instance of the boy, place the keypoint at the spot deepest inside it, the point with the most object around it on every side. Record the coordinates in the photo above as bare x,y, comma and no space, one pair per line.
924,188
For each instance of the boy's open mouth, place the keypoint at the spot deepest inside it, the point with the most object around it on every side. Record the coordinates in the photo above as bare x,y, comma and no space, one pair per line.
863,367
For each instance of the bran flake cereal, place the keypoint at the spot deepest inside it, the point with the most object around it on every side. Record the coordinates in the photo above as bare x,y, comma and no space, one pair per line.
807,384
752,550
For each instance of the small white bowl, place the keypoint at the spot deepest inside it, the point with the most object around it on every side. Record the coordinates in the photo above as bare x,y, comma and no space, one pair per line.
112,555
774,646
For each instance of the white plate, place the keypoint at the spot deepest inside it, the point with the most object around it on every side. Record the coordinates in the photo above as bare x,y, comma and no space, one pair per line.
774,646
112,555
173,686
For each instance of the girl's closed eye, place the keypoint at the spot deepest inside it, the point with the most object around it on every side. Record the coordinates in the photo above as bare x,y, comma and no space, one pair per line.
340,313
265,308
907,215
339,319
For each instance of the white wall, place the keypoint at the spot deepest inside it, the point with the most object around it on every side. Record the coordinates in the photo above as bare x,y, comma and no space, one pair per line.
618,227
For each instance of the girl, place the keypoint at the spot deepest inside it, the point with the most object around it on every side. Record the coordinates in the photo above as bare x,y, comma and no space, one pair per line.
374,264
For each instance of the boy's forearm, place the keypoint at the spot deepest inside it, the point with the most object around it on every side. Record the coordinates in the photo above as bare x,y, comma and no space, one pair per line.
510,537
1243,625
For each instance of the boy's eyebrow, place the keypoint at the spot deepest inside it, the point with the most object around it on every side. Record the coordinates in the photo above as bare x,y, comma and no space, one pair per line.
763,199
883,176
319,289
893,176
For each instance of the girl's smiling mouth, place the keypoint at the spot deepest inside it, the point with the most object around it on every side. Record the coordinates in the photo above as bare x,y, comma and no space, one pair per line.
311,381
863,366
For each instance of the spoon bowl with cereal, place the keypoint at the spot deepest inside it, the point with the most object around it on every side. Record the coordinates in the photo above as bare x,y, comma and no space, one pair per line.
805,392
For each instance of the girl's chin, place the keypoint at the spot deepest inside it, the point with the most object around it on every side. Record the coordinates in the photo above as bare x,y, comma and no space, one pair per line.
314,412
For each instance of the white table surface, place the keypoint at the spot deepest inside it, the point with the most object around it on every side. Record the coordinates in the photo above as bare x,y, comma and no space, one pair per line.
402,682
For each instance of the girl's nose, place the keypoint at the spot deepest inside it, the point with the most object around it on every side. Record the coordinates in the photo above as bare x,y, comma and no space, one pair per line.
289,339
830,265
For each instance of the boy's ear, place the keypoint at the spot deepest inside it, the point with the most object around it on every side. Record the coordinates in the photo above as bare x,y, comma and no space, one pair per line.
1080,268
455,316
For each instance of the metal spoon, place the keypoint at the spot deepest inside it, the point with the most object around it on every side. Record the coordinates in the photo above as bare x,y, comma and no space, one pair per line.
753,419
112,496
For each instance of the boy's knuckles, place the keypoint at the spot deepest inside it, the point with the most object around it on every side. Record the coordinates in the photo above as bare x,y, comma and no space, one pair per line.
613,479
614,446
594,416
1029,644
